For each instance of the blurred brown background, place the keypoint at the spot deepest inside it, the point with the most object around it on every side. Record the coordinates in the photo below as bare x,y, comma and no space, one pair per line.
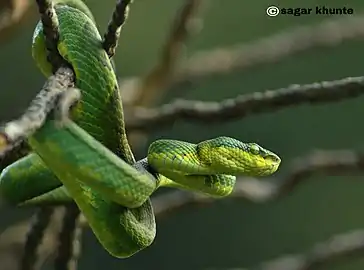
231,232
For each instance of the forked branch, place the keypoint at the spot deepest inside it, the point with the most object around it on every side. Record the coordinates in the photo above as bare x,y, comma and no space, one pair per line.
205,112
117,21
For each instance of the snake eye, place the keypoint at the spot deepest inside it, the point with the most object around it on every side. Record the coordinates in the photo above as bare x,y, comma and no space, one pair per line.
254,149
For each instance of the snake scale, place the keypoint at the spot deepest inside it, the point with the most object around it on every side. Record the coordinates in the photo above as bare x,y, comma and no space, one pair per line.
86,158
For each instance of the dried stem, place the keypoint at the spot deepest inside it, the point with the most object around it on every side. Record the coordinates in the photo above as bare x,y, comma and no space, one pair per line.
35,237
148,89
237,108
13,155
339,162
50,23
224,60
69,240
14,132
117,21
155,82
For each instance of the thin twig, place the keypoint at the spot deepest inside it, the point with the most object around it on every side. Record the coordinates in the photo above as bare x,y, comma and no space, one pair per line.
17,152
339,162
158,78
14,132
50,23
146,119
35,237
69,240
117,21
12,241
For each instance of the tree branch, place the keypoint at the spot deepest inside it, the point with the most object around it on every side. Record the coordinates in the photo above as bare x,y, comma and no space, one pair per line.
12,242
14,132
242,106
69,240
270,49
50,24
35,237
117,21
148,88
338,162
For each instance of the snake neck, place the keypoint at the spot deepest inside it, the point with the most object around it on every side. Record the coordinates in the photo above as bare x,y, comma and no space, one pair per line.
78,4
100,111
123,149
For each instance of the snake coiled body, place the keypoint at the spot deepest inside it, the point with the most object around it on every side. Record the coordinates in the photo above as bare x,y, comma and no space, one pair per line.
100,114
87,159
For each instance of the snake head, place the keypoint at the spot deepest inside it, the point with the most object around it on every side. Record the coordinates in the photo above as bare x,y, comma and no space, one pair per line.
230,156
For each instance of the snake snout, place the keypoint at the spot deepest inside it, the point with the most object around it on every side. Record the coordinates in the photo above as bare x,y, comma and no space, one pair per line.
273,158
272,162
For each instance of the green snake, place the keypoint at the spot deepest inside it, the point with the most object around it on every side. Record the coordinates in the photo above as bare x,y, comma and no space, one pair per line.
86,159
